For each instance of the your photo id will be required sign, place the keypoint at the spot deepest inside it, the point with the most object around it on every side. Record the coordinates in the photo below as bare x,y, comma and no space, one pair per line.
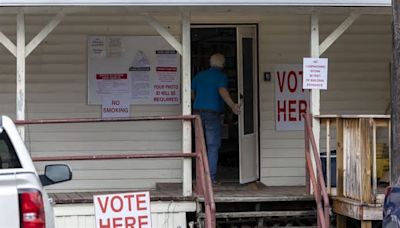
126,210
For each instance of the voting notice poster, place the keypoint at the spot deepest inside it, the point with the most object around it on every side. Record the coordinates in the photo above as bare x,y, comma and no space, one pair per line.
144,68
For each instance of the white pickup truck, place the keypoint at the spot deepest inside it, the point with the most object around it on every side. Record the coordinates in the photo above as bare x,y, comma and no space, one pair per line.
23,201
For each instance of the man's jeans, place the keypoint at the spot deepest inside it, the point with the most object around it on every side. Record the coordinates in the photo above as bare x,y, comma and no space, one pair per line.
212,132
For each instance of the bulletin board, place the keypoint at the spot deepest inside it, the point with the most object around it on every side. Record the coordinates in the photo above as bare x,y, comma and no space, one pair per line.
146,69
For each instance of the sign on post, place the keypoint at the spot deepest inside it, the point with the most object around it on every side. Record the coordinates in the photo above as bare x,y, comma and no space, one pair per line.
127,210
315,72
291,100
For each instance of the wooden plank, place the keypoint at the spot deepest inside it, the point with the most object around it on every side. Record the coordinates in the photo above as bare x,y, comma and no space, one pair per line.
366,224
365,185
328,156
346,209
339,157
374,174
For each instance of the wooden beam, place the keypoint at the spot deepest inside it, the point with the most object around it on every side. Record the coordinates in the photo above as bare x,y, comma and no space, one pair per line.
365,160
186,103
20,103
339,157
44,33
315,93
337,32
165,33
8,44
395,101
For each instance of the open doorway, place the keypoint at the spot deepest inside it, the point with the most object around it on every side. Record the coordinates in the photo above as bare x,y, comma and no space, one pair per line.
239,152
206,41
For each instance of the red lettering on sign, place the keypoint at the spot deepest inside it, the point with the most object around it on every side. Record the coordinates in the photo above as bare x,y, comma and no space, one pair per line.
103,207
301,79
129,197
292,110
142,220
107,225
281,109
302,108
291,75
139,201
115,102
121,204
281,80
130,222
115,224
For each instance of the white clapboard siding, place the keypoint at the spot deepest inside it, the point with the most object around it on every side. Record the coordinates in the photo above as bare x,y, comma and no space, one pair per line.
56,87
359,63
163,214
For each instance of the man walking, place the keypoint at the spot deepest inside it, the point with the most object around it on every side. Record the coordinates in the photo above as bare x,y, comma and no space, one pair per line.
209,88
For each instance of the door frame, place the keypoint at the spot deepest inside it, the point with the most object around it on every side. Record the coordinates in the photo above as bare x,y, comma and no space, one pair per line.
257,124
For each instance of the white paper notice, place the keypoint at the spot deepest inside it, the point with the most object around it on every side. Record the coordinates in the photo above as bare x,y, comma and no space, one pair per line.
115,106
166,87
140,78
315,72
97,47
114,47
116,83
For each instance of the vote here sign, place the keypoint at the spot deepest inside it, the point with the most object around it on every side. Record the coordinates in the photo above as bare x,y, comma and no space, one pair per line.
291,100
127,210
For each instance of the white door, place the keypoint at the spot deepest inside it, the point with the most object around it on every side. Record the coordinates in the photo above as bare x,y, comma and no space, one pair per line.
247,88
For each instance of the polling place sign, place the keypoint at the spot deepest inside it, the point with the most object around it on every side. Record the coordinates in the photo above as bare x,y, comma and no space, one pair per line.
291,100
126,210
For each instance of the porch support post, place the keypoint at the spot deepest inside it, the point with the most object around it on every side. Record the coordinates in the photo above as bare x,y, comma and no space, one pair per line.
20,103
315,94
165,33
395,103
186,103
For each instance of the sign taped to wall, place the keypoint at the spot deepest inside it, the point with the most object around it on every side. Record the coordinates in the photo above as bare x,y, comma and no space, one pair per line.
144,68
291,100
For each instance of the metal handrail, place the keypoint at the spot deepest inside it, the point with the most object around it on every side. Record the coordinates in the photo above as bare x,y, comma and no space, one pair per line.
203,179
317,181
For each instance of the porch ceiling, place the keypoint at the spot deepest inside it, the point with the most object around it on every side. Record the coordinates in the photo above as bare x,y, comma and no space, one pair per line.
196,2
199,10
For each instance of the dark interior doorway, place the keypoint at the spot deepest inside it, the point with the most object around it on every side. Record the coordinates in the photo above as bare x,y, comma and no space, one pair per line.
206,41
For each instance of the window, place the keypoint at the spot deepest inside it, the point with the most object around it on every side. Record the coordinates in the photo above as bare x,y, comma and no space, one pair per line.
8,157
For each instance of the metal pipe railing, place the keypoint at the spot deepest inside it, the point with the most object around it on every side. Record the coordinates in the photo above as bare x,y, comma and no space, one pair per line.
317,181
203,179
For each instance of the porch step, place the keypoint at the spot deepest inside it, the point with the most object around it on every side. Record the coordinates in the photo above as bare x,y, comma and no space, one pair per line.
260,214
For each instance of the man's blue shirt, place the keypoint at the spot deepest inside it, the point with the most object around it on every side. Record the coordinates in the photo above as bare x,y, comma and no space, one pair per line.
206,85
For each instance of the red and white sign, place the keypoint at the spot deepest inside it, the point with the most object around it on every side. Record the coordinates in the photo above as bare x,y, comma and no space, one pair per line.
115,83
127,210
315,73
291,100
115,106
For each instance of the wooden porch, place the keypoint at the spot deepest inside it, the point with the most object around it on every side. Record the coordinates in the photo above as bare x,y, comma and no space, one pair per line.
224,192
248,205
360,175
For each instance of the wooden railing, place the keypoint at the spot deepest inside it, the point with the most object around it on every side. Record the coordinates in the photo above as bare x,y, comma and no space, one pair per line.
203,179
316,178
356,154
